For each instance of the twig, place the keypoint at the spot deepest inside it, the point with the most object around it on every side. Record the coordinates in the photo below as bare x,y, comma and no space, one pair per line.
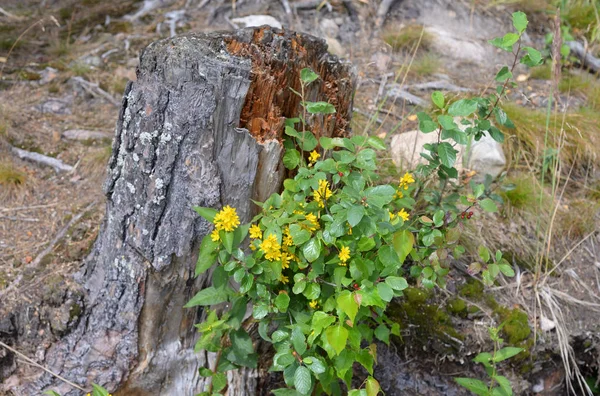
27,207
42,367
587,59
95,90
58,165
9,15
15,218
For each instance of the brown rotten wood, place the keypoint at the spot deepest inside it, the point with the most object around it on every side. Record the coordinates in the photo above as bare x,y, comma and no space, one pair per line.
202,125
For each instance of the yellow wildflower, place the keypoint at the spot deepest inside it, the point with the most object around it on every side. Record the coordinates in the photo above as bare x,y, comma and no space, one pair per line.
255,232
314,156
287,237
271,248
227,219
284,279
405,181
403,214
215,236
392,216
399,194
313,219
285,260
344,254
252,247
349,229
323,193
313,304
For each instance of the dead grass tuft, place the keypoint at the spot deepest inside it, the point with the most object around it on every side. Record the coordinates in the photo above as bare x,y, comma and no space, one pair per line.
426,65
407,37
577,219
12,179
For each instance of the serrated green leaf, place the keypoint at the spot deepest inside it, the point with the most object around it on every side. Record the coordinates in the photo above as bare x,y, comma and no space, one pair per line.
312,250
372,387
307,141
317,365
519,21
355,214
385,292
533,57
504,74
298,340
447,154
219,381
291,159
302,380
462,108
319,108
376,142
426,124
307,75
474,385
484,253
337,337
383,333
347,304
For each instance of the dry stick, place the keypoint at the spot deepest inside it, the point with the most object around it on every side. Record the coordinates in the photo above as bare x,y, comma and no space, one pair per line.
27,207
48,249
42,367
15,218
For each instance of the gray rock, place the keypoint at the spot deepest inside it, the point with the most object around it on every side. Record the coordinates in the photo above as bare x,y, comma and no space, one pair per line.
59,106
329,28
256,20
484,156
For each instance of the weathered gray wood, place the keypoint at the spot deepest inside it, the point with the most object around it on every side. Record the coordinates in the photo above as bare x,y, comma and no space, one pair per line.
201,126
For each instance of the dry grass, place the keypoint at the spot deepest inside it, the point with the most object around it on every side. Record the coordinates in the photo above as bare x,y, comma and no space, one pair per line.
543,72
426,65
581,129
12,179
407,37
577,219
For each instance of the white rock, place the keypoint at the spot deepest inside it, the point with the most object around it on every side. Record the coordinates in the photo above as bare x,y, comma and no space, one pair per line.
546,324
449,43
485,156
256,20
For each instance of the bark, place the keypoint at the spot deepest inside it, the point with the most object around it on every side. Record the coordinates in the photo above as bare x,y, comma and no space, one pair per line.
202,125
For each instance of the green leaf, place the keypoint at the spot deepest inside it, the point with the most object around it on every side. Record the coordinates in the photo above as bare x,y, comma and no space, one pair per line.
307,75
383,333
426,124
532,57
307,141
438,99
403,243
312,250
337,337
227,238
347,304
298,340
319,108
462,108
291,159
208,296
519,21
385,292
208,213
51,393
506,353
260,311
355,214
365,244
488,205
299,234
505,43
504,74
507,270
312,291
242,350
282,301
299,287
447,122
447,154
484,253
372,387
474,385
317,365
357,392
302,380
208,255
504,385
97,390
285,392
376,142
219,381
396,282
365,358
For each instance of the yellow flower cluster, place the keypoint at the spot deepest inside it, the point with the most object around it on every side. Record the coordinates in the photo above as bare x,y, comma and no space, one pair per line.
313,304
215,235
255,232
344,255
314,156
313,219
284,279
287,237
271,248
403,214
227,219
406,181
323,193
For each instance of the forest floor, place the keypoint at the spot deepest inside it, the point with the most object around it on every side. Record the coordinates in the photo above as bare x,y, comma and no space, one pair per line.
64,65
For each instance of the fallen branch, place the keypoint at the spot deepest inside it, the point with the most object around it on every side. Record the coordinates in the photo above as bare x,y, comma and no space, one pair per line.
41,159
440,84
95,90
398,93
587,59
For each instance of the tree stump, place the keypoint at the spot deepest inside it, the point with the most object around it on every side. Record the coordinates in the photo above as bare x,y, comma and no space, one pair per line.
202,125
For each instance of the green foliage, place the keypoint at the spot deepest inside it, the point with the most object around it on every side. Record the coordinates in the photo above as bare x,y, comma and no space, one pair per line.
498,385
97,390
328,254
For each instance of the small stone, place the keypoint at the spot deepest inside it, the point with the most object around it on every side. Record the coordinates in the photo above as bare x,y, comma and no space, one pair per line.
256,20
546,324
334,47
522,77
329,28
